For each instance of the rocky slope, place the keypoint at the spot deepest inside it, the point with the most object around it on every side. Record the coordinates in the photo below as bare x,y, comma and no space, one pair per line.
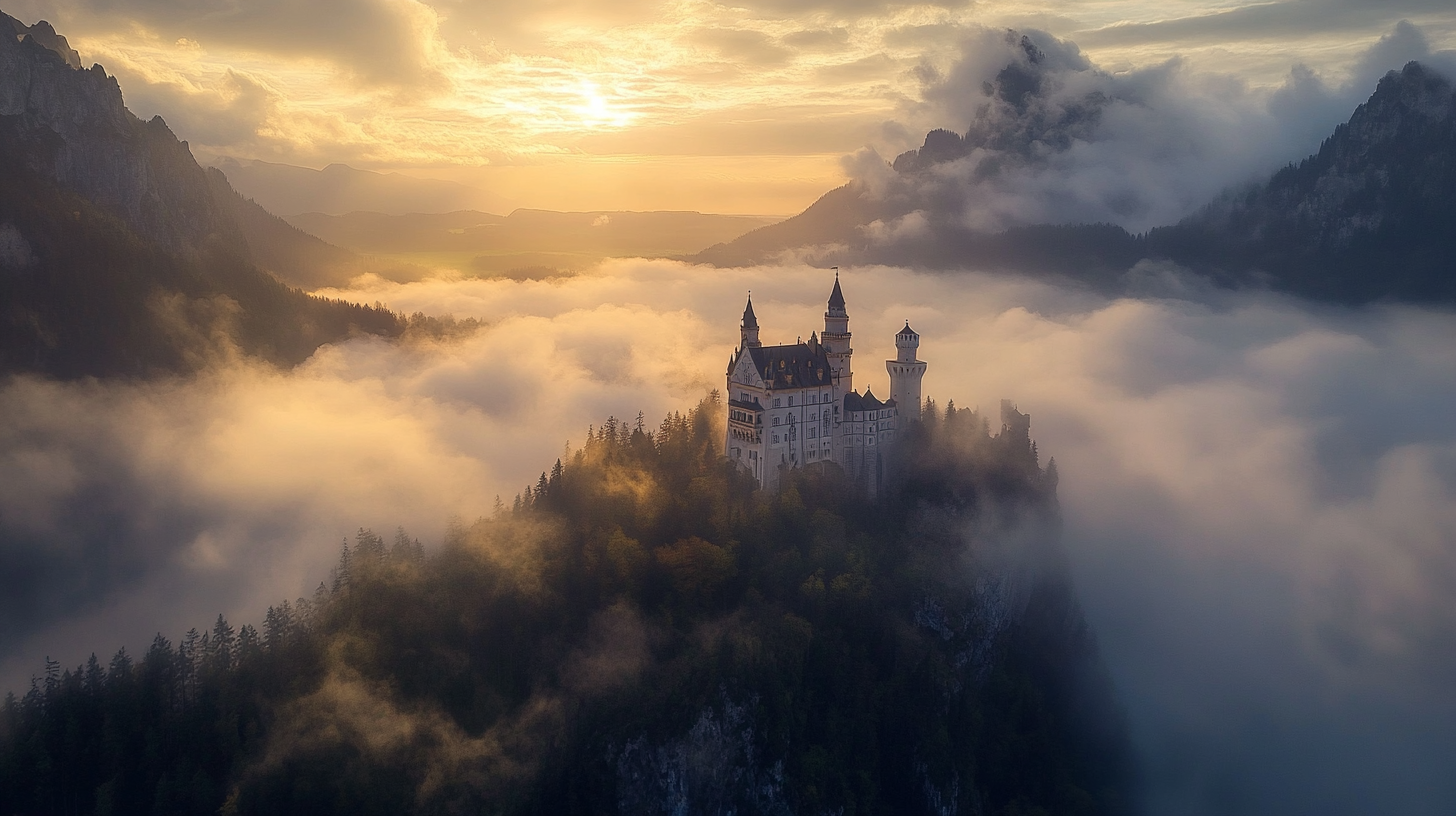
118,255
1372,215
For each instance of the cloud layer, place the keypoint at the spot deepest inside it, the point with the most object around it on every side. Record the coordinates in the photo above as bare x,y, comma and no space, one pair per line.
448,87
1038,133
1258,492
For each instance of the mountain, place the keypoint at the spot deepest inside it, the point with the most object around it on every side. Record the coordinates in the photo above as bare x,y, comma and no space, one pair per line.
287,190
118,254
1370,216
642,633
493,243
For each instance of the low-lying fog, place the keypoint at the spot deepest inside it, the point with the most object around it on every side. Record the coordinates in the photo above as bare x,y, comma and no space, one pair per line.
1259,494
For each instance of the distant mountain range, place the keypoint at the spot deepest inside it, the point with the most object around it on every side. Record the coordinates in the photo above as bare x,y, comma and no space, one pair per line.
119,255
289,190
1371,216
488,243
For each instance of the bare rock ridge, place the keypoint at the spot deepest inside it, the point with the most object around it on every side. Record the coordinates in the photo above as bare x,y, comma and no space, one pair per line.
44,34
74,127
120,255
1368,217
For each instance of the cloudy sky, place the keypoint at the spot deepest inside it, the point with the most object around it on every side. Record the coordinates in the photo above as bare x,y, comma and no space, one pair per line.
656,104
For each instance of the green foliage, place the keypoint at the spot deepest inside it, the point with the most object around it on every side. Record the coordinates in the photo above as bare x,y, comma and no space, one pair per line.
645,631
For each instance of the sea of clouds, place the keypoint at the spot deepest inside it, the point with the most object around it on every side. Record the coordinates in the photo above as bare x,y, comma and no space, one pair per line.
1259,493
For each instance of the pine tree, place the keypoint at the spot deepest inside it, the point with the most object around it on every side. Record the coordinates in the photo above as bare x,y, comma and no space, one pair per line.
341,571
223,645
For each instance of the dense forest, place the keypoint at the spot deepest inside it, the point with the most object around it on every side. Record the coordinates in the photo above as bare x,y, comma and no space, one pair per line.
640,631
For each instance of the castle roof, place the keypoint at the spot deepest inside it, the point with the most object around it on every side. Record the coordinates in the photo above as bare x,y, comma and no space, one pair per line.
836,298
865,402
750,321
908,330
801,365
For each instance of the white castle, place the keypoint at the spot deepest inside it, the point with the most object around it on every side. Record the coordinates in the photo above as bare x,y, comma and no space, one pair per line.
795,405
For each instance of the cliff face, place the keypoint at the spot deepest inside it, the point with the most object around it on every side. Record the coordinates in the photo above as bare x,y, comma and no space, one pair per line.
71,124
118,255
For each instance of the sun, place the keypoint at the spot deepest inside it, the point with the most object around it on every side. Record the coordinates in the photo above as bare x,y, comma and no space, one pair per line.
601,110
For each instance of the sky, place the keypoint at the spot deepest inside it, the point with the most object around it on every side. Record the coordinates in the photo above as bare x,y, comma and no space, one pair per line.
656,104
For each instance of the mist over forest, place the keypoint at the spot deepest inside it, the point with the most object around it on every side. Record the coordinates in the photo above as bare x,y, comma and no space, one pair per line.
1256,492
1241,567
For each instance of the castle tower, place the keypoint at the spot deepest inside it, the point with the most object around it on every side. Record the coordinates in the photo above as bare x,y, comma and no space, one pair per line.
836,340
906,372
748,332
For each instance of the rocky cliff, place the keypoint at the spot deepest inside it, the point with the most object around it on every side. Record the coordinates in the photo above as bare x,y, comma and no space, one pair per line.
118,255
71,124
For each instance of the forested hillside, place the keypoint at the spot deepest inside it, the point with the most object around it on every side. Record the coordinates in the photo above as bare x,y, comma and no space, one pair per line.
118,256
638,632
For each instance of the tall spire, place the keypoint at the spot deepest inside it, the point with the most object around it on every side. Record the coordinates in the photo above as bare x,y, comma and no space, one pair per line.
836,339
748,332
750,321
836,298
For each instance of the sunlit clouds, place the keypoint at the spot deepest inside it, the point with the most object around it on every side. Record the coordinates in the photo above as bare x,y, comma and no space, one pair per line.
1257,492
448,88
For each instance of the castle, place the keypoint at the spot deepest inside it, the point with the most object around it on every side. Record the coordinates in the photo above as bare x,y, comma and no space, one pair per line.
795,405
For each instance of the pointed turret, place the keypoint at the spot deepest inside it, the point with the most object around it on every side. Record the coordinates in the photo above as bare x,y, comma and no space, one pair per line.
836,298
836,338
748,332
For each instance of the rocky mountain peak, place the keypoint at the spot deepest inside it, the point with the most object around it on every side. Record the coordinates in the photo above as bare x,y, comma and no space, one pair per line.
71,124
45,35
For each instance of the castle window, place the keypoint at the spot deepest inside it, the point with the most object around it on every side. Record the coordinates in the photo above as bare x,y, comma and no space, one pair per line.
791,402
776,402
775,439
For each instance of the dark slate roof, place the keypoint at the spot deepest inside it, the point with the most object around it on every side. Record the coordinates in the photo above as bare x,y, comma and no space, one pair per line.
836,298
749,320
908,330
865,402
802,365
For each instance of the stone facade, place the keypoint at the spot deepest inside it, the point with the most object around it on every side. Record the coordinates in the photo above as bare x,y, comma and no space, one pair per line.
793,406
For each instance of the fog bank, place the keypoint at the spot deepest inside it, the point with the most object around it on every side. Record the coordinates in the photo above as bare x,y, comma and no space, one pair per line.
1259,494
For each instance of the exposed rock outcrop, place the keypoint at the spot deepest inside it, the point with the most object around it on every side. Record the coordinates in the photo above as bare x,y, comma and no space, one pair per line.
71,124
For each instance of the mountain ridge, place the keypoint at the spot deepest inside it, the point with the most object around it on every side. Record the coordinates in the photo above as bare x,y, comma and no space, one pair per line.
119,256
1364,218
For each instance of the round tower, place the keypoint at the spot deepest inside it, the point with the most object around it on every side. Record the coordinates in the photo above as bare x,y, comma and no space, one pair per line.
906,373
836,340
748,331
